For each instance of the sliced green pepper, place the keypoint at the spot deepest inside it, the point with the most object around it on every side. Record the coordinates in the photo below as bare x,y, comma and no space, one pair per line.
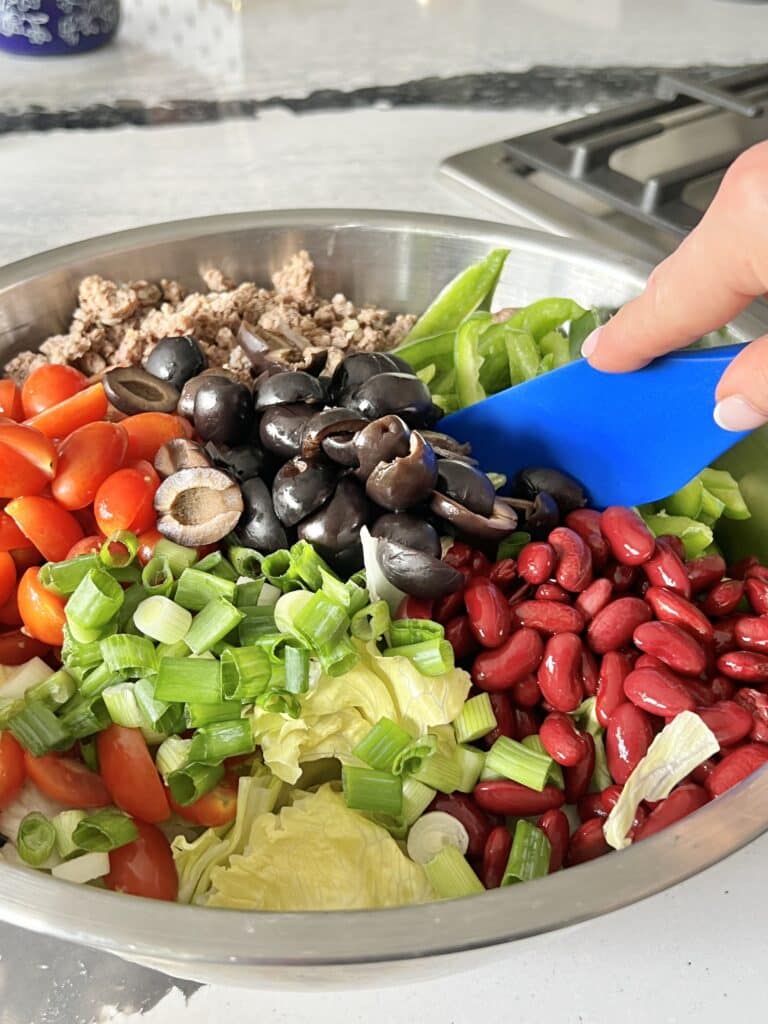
556,345
696,536
437,349
582,327
523,355
687,501
543,316
494,373
711,506
467,359
723,487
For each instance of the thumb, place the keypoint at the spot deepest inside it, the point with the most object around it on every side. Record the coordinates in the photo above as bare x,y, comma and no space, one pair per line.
742,394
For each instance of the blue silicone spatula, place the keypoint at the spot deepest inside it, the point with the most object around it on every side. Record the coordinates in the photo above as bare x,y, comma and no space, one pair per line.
629,438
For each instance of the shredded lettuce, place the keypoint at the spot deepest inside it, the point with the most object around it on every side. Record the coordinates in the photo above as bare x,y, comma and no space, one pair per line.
28,799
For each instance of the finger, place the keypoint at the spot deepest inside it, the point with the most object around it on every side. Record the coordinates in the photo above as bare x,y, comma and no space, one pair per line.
742,394
715,272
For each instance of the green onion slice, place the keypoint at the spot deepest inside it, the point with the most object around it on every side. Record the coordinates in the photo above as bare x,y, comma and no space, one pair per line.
36,839
104,830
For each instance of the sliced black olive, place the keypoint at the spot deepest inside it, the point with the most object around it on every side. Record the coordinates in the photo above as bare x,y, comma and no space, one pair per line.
398,393
498,525
282,428
334,529
176,360
186,406
341,423
446,447
358,367
180,453
301,486
259,527
567,492
381,441
197,506
223,411
543,517
242,462
131,390
405,481
400,365
467,485
417,573
288,387
409,531
341,449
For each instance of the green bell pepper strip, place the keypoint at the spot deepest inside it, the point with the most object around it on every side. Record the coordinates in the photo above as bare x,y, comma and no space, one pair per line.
523,355
494,373
468,361
724,488
687,501
556,345
543,316
696,536
437,350
582,327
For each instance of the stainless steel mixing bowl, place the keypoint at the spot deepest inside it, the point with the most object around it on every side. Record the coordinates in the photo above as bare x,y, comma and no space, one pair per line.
398,261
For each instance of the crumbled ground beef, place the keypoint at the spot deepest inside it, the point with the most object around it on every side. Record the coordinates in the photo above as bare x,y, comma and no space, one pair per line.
119,324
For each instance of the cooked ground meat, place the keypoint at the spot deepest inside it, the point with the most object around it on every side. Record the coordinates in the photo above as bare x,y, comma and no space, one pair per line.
119,324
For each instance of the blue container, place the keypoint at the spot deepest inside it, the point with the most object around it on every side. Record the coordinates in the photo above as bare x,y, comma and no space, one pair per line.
53,27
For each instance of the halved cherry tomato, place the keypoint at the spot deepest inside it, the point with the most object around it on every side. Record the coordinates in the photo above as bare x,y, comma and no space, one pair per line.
60,420
125,501
86,459
67,780
148,431
87,546
7,577
27,460
10,535
9,612
41,611
10,400
217,807
147,543
25,558
51,528
130,774
48,385
16,648
144,867
12,771
87,520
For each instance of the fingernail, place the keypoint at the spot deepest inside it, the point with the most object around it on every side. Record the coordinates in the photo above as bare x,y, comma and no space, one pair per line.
590,343
736,413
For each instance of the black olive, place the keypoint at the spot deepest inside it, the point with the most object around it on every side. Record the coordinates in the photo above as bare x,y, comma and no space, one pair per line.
467,485
301,486
405,481
358,367
223,411
259,527
417,573
381,441
197,506
241,462
399,393
289,387
408,531
334,529
131,390
400,365
498,525
186,406
179,453
282,428
176,360
341,423
341,449
446,447
543,517
567,492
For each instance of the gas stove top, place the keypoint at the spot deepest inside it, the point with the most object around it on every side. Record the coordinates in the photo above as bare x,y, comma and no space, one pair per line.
636,178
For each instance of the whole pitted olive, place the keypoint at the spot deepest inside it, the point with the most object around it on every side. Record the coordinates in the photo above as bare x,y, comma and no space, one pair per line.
223,411
567,492
405,481
501,522
446,447
289,387
301,486
241,462
340,423
417,573
385,439
408,531
131,389
335,528
467,485
282,427
197,506
358,367
340,448
399,393
259,527
186,406
176,360
543,517
180,453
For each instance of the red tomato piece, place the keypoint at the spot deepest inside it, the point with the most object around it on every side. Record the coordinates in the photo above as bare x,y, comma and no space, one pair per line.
32,445
60,420
7,577
9,612
87,546
86,458
10,400
148,431
125,501
144,867
217,807
16,648
12,770
48,385
130,774
11,536
147,543
25,558
51,528
67,780
41,611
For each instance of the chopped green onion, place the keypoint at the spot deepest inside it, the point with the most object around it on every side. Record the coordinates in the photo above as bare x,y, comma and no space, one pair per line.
296,669
196,715
431,657
308,566
83,869
171,755
96,599
321,622
132,598
192,781
64,825
451,876
337,658
196,589
78,655
212,624
375,792
217,564
416,799
371,622
54,691
122,706
126,653
84,716
89,753
178,557
410,758
404,632
104,831
194,680
555,775
246,561
244,673
94,682
9,706
213,743
432,832
119,549
529,856
152,710
126,573
475,720
248,593
519,763
177,650
38,730
64,577
257,621
162,619
382,745
36,839
439,771
278,569
471,763
157,576
280,702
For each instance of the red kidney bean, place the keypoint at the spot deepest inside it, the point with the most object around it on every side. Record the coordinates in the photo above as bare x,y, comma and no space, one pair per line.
591,806
551,592
648,661
559,673
755,702
548,617
573,570
614,669
587,843
724,634
562,740
627,738
658,691
589,672
608,799
757,572
730,722
516,658
721,688
621,577
672,645
757,595
504,573
501,796
526,722
554,825
506,724
464,809
759,733
681,802
701,694
459,635
578,777
672,543
666,569
525,693
612,628
701,771
735,767
495,856
630,540
414,608
744,666
488,612
458,554
751,633
536,562
739,570
723,598
586,522
479,565
705,571
671,607
592,600
448,607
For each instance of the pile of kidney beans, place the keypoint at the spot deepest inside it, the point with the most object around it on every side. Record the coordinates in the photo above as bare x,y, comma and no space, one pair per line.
603,608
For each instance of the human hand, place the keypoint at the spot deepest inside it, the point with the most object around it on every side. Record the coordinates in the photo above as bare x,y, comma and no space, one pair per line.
710,278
